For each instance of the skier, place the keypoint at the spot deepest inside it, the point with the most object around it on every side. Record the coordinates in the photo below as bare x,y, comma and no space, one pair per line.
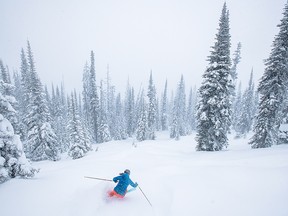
123,182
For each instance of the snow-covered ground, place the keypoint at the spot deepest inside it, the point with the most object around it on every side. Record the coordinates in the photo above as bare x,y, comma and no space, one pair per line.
177,180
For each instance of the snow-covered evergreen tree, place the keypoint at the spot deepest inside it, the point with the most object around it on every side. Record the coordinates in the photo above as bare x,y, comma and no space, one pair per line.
179,122
103,130
7,90
110,104
138,105
152,109
25,98
214,106
273,90
255,105
91,99
142,122
59,112
79,144
174,126
158,122
85,96
234,75
119,123
94,100
181,98
191,110
42,142
13,161
129,112
237,110
49,100
6,87
18,92
164,109
235,61
63,118
22,95
171,109
246,117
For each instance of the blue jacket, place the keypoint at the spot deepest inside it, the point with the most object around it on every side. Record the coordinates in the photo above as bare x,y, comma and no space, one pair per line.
123,182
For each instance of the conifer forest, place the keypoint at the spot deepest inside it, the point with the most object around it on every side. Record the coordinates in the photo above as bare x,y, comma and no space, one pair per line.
40,122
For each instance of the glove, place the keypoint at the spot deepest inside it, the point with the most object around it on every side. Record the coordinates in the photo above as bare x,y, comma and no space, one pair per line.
136,184
115,181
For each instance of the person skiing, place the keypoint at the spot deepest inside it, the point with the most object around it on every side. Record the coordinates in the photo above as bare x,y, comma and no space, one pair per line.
123,182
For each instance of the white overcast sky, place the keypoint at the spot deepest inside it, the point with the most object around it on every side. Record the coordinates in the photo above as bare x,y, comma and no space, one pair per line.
169,37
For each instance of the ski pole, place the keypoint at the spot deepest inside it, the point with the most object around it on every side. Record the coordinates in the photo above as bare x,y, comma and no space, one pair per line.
101,179
145,196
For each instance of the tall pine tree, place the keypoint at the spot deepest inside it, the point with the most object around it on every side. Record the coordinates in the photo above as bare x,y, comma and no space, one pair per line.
246,117
23,96
273,90
92,100
152,109
119,120
214,107
103,130
237,110
142,122
59,118
164,110
79,144
42,142
191,110
129,112
179,122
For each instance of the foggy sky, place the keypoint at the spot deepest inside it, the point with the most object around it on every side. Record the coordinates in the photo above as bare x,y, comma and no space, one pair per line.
169,37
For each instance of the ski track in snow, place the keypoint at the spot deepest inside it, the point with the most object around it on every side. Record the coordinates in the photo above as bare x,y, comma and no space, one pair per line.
176,179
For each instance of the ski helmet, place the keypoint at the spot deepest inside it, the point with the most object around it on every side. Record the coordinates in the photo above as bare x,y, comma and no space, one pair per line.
127,171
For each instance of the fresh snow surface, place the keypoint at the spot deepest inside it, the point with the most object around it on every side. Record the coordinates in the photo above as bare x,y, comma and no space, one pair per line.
177,180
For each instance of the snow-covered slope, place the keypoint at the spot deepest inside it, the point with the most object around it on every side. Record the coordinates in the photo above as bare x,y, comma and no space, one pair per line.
176,179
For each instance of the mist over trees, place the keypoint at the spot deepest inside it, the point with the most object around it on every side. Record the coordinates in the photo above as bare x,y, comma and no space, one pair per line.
49,121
